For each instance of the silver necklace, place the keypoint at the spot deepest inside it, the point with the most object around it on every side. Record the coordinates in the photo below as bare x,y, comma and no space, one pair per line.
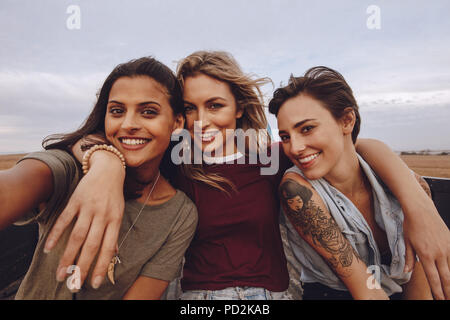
116,259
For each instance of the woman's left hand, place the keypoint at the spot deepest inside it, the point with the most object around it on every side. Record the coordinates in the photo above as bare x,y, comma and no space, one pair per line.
97,205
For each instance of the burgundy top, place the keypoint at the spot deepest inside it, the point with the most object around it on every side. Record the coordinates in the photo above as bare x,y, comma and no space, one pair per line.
238,241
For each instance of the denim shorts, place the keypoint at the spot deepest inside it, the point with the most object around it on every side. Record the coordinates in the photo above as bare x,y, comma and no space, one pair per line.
235,293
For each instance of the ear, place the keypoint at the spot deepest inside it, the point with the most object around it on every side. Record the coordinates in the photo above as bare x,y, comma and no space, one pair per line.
348,121
178,125
239,113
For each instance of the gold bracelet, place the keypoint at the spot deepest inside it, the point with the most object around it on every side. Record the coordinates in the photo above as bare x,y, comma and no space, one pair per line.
88,154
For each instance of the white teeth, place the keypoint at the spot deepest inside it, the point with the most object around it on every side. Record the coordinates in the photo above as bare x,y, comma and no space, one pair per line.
134,142
208,136
309,158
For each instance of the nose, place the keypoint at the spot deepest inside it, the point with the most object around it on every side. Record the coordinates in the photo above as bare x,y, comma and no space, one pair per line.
202,120
298,145
131,122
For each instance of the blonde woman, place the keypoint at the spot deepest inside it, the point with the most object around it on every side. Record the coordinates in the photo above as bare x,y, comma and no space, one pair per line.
237,252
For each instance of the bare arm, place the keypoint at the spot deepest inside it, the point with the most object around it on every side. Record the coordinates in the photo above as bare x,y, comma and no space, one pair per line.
315,225
425,231
145,288
97,203
23,188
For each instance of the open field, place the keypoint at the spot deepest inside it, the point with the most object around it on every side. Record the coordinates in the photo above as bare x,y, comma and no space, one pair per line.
429,165
425,165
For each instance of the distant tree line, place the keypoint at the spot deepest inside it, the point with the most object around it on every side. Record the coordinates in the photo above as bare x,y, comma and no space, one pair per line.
425,152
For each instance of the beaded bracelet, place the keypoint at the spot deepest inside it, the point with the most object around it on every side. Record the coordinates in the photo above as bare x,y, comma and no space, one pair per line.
88,154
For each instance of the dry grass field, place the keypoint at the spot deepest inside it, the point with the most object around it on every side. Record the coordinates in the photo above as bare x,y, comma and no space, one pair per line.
425,165
429,165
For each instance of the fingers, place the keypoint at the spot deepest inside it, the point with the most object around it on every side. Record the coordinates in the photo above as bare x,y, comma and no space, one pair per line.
109,248
63,221
432,274
410,257
91,246
444,273
77,238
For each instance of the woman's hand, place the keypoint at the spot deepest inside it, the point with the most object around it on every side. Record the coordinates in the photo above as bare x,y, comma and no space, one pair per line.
97,204
427,236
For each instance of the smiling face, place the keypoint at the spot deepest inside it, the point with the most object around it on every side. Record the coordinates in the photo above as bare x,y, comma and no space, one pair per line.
296,203
210,101
311,137
139,119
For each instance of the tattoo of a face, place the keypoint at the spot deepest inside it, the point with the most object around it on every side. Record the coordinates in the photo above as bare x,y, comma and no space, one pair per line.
312,221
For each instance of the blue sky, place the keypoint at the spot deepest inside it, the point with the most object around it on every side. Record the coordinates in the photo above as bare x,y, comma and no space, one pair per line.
400,73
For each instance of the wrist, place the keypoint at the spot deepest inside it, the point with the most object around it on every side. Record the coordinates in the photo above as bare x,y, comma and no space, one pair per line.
88,155
418,205
105,161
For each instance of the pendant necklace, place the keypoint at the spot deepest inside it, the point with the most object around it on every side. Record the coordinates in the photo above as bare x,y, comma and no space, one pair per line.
116,259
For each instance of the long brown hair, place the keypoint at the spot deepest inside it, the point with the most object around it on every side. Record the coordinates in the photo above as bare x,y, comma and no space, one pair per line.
95,122
246,90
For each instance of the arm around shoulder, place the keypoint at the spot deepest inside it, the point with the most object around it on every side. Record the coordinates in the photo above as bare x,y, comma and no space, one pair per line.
425,231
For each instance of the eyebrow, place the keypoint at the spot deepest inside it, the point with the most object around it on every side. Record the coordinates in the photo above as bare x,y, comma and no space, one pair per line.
207,101
139,104
298,124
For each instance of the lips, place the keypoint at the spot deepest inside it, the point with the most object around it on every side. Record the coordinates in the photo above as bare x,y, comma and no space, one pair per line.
133,143
308,158
208,136
307,161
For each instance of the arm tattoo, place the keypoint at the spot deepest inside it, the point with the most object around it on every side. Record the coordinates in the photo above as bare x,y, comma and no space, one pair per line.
312,221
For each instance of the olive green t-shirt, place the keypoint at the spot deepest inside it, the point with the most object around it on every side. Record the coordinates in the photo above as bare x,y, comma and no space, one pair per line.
154,247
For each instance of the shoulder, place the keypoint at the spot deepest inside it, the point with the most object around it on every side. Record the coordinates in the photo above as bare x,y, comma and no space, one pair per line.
58,165
59,161
183,214
188,209
292,177
293,184
181,207
62,176
50,155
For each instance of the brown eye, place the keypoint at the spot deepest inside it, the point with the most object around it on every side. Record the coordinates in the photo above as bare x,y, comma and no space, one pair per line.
149,112
216,106
307,129
188,108
116,110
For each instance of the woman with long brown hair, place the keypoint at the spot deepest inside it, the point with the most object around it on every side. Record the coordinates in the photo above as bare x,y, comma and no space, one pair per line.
138,108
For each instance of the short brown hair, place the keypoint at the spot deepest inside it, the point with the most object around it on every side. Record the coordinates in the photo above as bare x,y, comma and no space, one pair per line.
325,85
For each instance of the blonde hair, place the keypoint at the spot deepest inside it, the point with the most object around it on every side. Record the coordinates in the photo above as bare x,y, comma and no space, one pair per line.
246,90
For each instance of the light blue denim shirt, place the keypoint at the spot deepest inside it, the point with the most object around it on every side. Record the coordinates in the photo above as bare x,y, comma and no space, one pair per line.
389,217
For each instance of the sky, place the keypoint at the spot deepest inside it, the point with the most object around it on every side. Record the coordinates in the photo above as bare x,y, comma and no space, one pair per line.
55,55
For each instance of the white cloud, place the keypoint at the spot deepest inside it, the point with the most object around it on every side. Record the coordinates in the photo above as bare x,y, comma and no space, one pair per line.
49,75
35,104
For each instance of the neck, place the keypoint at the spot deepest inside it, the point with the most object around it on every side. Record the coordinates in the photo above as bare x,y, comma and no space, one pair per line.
145,176
347,175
